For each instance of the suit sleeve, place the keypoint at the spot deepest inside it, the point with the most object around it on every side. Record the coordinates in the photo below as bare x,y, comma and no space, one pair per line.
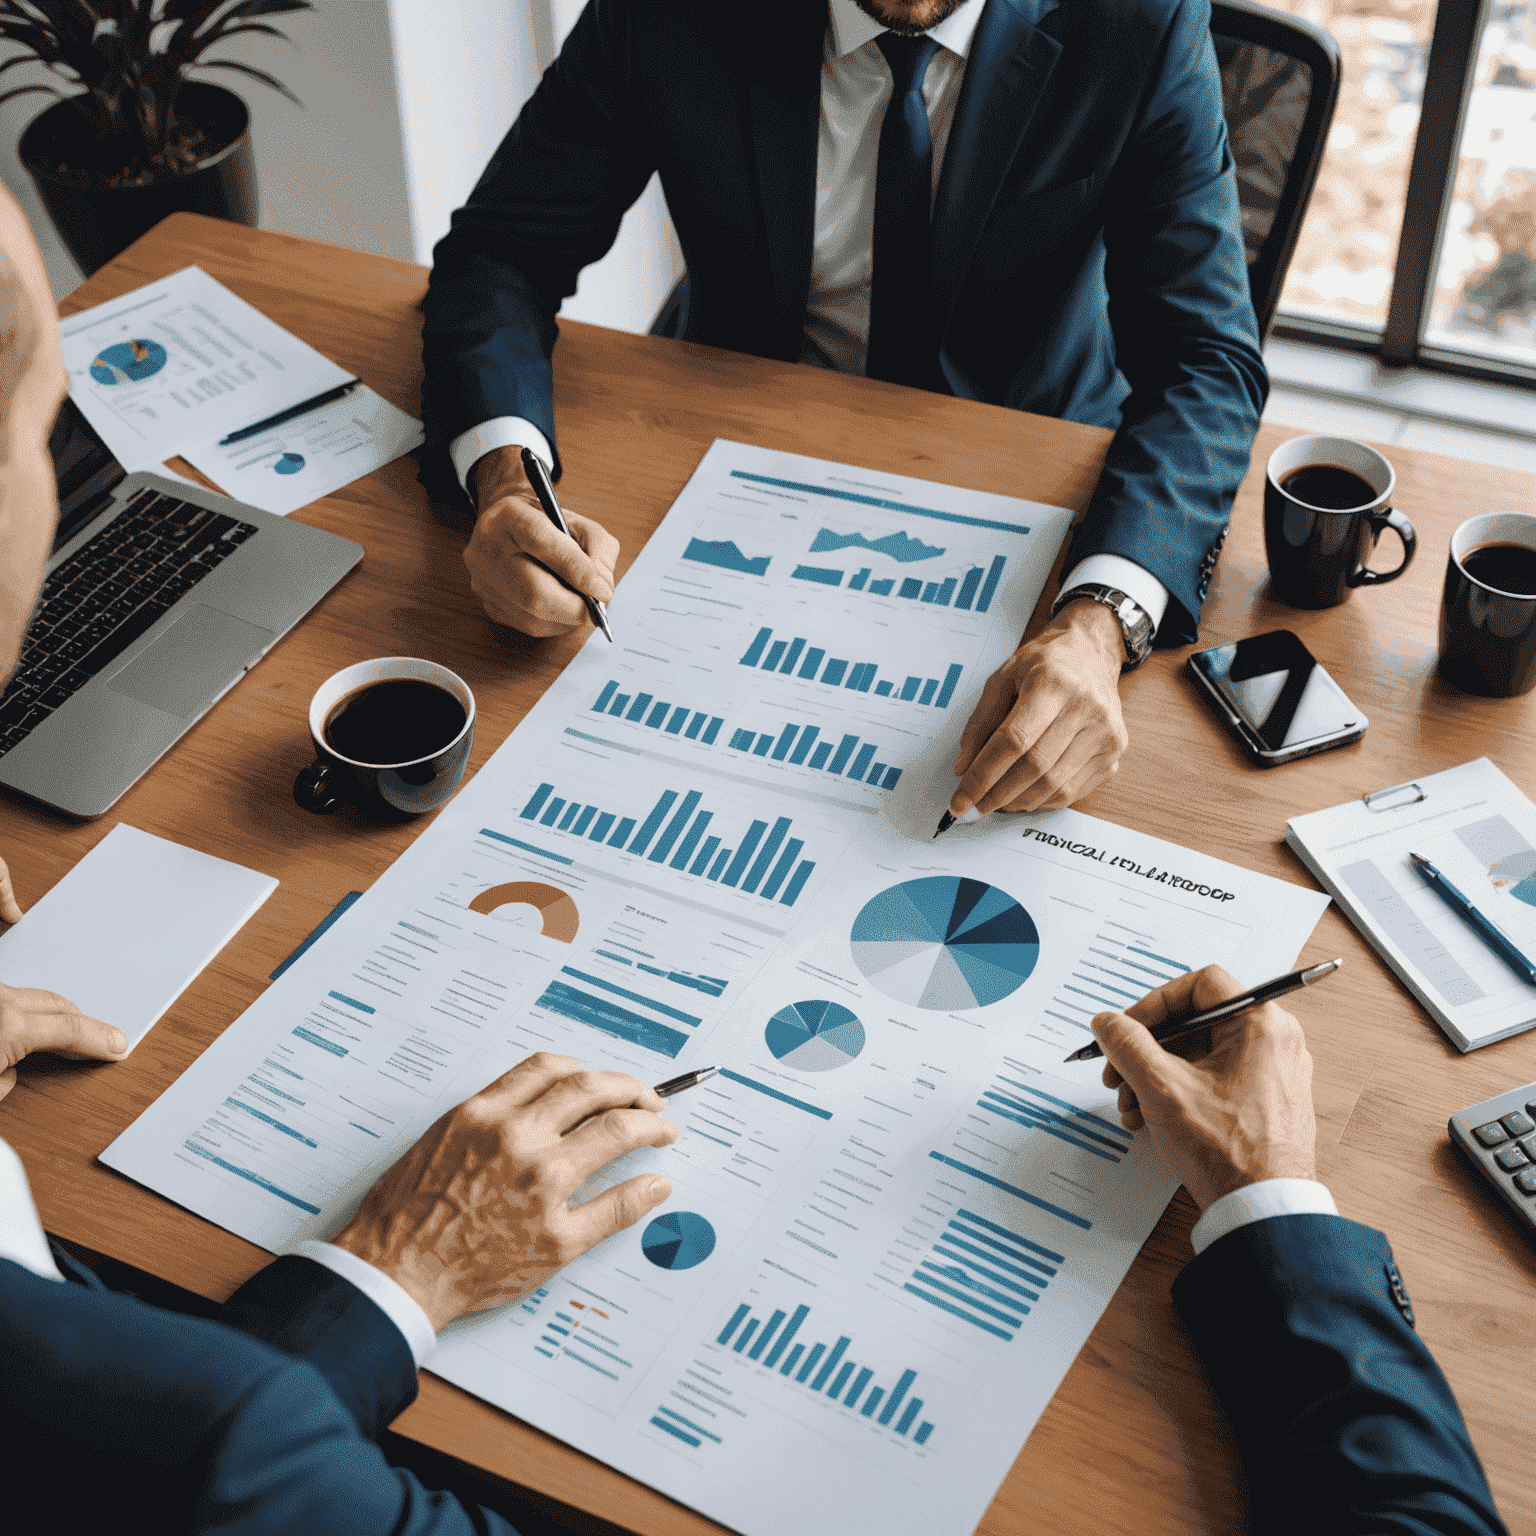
1184,331
548,204
1344,1423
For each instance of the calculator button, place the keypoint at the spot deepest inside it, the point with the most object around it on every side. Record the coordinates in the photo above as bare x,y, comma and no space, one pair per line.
1511,1158
1491,1134
1517,1124
1525,1181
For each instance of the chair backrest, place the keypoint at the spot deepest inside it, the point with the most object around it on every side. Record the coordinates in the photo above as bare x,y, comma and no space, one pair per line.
1279,88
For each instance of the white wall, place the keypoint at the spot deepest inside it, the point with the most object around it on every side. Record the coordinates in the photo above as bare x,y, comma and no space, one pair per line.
404,101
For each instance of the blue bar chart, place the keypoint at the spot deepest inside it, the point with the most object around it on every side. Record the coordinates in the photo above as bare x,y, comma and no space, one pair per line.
774,1343
804,746
1118,970
972,592
659,714
1024,1104
797,657
984,1274
763,861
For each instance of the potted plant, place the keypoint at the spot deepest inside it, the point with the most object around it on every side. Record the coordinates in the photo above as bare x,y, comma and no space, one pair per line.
139,139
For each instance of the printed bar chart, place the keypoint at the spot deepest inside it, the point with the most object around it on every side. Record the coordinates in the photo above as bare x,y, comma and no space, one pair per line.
770,655
661,715
671,832
794,743
826,1369
1117,971
984,1274
976,588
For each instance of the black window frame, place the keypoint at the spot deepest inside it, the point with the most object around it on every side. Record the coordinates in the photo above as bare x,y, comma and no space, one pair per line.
1400,343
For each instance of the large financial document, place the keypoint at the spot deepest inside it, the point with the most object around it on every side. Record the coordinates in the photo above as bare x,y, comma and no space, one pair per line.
897,1213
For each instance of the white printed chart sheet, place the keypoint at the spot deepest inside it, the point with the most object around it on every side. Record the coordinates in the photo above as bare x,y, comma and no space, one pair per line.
182,361
897,1213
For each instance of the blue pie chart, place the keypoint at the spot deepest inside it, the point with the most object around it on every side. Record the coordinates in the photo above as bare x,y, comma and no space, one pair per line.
814,1036
289,464
128,362
945,942
678,1240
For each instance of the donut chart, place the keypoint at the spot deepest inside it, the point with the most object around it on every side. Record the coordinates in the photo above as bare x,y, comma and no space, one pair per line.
128,362
945,942
814,1036
558,914
678,1240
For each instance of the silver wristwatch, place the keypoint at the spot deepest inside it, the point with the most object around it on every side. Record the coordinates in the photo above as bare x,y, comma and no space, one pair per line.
1135,621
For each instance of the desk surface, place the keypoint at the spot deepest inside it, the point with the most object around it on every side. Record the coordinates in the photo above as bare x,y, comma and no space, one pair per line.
1133,1434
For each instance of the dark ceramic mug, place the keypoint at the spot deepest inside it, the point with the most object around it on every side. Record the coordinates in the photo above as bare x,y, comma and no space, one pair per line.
1488,635
384,791
1317,554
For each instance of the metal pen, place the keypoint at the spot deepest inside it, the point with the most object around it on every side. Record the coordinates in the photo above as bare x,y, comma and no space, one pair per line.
1484,927
544,489
302,408
1191,1023
685,1082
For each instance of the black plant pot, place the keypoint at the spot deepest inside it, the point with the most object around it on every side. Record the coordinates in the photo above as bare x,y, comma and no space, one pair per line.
98,222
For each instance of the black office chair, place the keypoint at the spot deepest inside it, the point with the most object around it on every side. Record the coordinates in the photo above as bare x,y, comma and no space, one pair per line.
1279,88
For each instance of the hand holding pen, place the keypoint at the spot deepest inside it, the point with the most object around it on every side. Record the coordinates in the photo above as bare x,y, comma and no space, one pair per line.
526,573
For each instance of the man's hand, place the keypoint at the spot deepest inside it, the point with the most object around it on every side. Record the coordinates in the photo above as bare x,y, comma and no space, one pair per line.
513,536
476,1214
33,1020
10,908
1048,729
1240,1113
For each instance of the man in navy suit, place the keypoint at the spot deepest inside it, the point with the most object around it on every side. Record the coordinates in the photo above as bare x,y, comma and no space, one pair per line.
1024,202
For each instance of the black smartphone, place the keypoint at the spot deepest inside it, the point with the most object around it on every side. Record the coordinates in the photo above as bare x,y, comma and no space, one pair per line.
1276,698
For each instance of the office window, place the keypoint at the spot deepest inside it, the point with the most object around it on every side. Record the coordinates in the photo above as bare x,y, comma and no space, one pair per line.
1343,264
1484,299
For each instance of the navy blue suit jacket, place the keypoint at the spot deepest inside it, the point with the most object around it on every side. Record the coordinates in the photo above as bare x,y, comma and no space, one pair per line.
118,1416
1087,253
1343,1421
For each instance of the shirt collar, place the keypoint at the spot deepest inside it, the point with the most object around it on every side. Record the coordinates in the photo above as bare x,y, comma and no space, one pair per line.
853,28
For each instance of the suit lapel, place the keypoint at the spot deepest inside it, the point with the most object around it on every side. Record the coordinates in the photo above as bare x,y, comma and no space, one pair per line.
1007,67
784,104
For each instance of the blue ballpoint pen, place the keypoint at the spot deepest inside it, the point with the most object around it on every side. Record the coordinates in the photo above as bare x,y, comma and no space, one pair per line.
1491,935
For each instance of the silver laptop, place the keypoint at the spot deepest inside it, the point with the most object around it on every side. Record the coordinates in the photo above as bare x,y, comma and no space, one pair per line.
159,597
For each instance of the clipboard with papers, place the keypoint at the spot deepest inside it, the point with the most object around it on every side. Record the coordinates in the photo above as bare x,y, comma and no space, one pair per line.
1476,826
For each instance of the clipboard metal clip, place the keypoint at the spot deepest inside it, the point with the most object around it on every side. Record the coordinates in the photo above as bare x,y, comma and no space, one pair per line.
1396,798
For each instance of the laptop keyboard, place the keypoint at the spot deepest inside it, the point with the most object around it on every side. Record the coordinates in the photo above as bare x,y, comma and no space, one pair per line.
101,599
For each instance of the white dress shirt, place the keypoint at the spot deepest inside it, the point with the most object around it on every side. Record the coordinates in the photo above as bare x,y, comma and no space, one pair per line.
855,87
22,1241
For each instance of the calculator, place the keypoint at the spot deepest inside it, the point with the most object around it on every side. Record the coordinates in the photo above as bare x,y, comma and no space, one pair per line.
1499,1137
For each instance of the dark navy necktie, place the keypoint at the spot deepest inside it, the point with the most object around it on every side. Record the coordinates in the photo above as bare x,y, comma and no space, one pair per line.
900,343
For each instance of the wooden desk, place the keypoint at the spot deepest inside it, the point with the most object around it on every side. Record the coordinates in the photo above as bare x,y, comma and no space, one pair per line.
1133,1441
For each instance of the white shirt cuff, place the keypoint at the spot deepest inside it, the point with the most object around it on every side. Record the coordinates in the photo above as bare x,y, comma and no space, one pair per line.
1256,1202
1124,576
502,432
389,1296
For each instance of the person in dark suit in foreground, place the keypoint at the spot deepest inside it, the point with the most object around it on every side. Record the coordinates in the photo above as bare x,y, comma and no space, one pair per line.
1029,203
1343,1421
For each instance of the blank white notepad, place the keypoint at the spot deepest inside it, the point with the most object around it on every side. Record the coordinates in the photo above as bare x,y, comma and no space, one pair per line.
125,931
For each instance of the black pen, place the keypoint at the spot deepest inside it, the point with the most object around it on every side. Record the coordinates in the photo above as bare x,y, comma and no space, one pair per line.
303,407
544,489
1189,1023
1484,927
685,1082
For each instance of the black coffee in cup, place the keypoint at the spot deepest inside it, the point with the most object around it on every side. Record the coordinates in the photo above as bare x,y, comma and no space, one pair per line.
1504,567
1330,486
398,720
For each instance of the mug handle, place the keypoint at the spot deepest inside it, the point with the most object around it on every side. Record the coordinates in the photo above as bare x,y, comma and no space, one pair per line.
316,789
1386,518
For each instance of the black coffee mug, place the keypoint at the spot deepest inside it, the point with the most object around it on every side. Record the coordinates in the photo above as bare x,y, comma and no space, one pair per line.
384,791
1317,554
1487,633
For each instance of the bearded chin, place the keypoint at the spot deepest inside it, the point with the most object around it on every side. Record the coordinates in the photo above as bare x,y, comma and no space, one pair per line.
909,18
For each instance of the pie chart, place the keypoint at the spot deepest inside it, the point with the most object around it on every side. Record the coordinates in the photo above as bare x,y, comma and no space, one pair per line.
945,942
552,909
289,464
678,1240
128,362
814,1036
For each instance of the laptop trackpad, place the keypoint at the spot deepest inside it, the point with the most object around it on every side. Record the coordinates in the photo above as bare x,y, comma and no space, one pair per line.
192,663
